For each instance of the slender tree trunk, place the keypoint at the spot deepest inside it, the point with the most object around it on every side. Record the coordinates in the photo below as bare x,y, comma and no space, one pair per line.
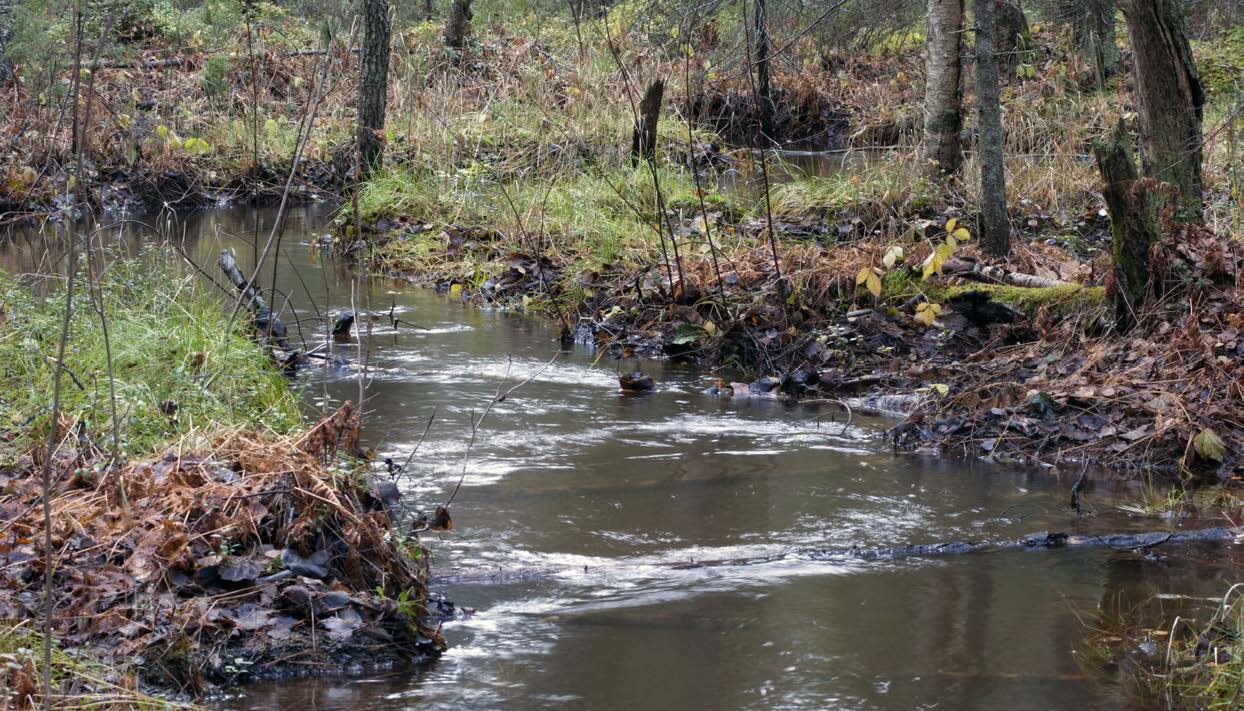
995,226
644,137
1012,33
1169,99
762,74
374,84
1133,223
428,11
6,33
943,98
458,25
1104,43
1093,24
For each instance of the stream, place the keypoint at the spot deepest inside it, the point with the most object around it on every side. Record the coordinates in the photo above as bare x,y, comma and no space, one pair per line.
577,501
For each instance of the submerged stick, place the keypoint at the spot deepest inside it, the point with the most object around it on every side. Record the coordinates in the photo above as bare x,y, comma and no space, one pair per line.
1039,541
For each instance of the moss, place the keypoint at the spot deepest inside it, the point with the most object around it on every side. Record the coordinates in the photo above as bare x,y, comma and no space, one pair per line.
1057,300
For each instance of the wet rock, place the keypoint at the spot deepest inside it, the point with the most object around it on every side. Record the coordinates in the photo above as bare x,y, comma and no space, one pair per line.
342,325
312,567
763,385
636,382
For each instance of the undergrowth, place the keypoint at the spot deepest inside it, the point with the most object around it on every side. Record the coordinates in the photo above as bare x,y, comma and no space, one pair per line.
174,363
80,683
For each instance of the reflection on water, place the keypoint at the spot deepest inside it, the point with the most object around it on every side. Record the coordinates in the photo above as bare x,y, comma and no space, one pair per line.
594,494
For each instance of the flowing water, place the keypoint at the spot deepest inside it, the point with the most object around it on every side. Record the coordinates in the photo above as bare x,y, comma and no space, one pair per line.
625,551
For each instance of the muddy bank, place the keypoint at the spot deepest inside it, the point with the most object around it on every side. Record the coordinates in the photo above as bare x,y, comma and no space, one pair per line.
240,556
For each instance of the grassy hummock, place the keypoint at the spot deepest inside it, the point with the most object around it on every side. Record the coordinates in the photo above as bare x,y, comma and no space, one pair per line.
176,363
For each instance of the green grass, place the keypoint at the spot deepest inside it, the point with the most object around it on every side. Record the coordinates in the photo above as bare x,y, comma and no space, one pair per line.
78,683
597,214
169,346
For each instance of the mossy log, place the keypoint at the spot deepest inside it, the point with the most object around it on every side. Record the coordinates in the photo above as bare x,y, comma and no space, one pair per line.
1133,223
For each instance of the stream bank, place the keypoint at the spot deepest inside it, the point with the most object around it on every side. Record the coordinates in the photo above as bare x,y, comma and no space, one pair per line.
202,535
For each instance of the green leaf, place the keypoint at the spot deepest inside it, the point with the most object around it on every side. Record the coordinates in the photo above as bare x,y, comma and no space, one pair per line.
685,333
1209,445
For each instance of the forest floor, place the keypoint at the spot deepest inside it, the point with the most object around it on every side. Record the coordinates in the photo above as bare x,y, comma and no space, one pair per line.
210,539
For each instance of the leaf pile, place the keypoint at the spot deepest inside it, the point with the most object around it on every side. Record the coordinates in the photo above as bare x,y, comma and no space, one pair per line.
258,557
1167,395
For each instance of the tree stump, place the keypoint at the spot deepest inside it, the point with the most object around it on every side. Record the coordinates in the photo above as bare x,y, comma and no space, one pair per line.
1133,210
644,138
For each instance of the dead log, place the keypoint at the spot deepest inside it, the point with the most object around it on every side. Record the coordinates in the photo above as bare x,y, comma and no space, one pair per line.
265,321
969,269
644,137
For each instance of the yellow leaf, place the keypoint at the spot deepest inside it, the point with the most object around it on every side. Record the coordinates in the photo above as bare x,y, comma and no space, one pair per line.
873,282
862,277
962,234
710,328
950,224
927,313
455,291
1209,445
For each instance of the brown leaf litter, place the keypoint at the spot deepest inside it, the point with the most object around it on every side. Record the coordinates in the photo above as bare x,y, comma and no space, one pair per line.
262,556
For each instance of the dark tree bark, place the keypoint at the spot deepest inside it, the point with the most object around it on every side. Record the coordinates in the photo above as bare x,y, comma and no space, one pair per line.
644,137
763,91
1093,24
995,225
428,11
1169,99
943,98
458,26
1012,33
1133,223
374,84
6,33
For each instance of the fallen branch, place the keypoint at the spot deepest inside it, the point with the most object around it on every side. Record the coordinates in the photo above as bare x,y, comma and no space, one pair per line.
195,60
265,321
969,269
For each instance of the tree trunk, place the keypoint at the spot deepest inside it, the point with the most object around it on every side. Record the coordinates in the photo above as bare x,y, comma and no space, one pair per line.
1093,24
428,11
1101,39
1169,98
644,137
943,116
458,26
1133,223
6,33
1012,33
995,225
762,74
373,85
